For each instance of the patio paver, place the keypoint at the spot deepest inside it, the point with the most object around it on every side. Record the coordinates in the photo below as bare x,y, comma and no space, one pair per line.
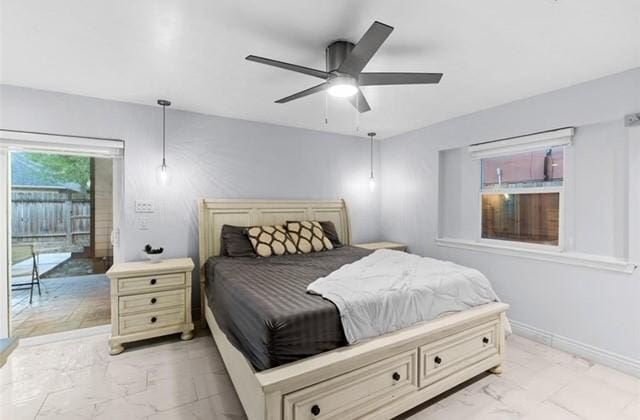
46,263
66,303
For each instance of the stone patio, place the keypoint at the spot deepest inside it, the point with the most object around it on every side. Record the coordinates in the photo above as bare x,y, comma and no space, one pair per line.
21,272
66,303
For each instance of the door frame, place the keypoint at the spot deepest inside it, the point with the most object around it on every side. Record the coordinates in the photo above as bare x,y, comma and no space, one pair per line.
5,295
13,140
633,194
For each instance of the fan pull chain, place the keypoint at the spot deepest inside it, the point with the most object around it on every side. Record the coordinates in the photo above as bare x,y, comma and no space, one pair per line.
357,113
326,108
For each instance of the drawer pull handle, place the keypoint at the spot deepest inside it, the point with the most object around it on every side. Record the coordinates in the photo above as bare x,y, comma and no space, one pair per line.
153,319
485,340
153,281
153,300
396,376
315,410
437,360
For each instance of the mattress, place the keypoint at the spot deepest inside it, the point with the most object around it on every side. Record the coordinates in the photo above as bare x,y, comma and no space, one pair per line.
262,306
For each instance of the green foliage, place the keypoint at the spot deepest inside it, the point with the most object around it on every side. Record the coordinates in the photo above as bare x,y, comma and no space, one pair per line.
64,168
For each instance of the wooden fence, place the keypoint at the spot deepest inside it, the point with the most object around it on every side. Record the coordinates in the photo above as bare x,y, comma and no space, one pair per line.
52,217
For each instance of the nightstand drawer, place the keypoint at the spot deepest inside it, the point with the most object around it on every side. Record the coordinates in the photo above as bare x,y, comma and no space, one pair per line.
151,320
150,283
151,301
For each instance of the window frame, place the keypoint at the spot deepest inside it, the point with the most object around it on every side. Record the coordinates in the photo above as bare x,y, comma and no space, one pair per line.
533,190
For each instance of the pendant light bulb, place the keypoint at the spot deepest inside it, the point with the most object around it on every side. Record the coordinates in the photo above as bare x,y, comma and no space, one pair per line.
162,175
372,180
162,172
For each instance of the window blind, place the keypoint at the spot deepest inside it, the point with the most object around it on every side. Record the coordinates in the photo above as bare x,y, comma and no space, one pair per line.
513,145
63,144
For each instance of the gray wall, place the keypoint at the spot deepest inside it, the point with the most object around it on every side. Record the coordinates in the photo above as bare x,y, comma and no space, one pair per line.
595,189
209,157
595,307
218,157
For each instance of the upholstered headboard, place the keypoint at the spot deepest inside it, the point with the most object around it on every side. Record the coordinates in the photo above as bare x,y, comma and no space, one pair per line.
217,212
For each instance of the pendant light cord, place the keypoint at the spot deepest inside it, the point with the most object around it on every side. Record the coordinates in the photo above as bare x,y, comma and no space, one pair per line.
164,108
371,161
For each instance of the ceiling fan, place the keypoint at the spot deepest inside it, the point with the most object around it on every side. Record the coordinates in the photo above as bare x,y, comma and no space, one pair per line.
344,64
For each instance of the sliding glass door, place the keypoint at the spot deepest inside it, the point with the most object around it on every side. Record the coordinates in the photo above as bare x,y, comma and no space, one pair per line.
59,223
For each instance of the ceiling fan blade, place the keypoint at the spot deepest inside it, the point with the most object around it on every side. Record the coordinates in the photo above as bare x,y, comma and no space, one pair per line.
303,93
287,66
378,79
359,102
365,48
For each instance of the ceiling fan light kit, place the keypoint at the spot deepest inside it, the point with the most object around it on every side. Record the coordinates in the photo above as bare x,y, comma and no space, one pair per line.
344,64
342,86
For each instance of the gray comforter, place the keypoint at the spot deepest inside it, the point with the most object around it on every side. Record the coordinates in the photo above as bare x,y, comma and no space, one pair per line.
262,305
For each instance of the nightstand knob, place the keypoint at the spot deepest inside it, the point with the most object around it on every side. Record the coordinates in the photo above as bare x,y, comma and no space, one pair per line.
437,360
396,376
153,319
485,340
315,410
153,281
153,300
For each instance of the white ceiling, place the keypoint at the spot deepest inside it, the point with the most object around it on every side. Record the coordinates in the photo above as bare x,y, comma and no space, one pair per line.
192,52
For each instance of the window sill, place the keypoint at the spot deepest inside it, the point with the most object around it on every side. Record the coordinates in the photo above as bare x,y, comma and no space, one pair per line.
571,258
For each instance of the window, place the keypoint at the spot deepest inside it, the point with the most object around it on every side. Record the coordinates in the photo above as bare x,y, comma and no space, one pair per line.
521,196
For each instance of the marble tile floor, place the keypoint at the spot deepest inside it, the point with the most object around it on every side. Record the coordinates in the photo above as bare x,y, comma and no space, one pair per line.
171,379
66,304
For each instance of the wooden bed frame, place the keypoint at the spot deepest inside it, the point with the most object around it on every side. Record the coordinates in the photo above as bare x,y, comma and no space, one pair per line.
376,379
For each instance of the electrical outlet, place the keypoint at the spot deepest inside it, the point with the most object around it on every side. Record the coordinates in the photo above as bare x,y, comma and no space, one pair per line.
143,223
144,206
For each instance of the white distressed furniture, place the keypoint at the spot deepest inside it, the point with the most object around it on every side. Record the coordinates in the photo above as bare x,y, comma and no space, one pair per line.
150,299
375,379
383,245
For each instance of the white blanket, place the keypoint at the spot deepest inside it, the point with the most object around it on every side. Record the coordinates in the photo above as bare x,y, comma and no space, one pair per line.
389,290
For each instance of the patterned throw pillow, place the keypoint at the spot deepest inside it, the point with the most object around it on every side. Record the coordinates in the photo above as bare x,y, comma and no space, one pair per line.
308,237
270,240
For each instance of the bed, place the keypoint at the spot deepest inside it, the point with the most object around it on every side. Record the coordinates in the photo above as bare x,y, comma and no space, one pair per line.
284,323
280,371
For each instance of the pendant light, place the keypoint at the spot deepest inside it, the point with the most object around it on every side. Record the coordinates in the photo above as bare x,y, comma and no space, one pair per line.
162,172
372,181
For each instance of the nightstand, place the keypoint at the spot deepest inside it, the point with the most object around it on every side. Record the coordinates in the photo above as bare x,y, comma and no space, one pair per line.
383,245
150,299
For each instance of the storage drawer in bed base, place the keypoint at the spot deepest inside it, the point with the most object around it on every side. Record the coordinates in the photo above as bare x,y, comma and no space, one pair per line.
355,393
376,379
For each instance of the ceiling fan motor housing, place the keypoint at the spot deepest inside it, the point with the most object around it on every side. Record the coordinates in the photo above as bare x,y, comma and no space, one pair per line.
336,54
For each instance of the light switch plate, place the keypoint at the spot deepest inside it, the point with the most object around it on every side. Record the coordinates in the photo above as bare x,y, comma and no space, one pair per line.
143,206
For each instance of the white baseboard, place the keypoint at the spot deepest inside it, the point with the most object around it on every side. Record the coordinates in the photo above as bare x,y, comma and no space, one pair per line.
66,335
586,351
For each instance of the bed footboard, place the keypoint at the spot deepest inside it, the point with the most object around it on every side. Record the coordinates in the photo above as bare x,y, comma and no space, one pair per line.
379,378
